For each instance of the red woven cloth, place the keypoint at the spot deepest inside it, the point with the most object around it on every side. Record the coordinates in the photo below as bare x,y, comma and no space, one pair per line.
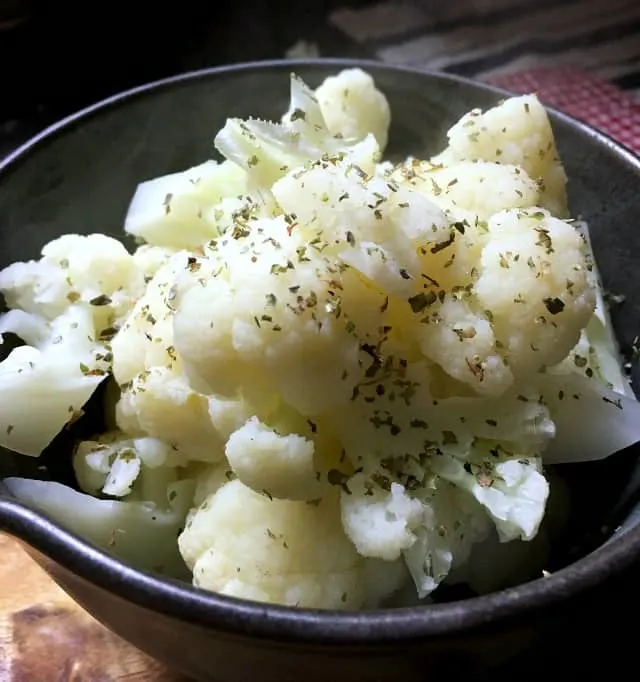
584,96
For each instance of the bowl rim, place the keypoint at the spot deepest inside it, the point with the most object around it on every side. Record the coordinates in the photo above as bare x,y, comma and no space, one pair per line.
51,543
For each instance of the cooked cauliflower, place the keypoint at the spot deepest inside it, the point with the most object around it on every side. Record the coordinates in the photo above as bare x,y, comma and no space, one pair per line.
177,210
244,544
274,312
515,132
93,269
282,465
116,465
148,259
480,188
52,377
380,524
534,281
162,405
337,375
353,107
145,337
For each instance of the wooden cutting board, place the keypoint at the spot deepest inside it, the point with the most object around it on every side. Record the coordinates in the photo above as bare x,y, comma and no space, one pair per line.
46,637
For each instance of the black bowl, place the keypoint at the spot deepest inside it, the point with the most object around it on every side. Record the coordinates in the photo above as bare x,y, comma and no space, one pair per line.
79,175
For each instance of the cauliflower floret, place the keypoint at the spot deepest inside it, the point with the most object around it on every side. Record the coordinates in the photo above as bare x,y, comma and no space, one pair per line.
161,404
37,287
265,460
481,187
209,478
204,325
353,107
244,544
174,210
512,490
380,524
123,472
453,522
433,528
267,151
52,379
92,462
270,321
516,132
118,466
94,269
148,259
393,419
464,345
370,222
145,339
534,284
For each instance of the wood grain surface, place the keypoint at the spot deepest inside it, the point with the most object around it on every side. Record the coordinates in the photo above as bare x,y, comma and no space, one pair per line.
47,637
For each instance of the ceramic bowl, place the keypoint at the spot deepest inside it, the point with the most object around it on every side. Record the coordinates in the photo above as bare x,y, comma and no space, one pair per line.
79,175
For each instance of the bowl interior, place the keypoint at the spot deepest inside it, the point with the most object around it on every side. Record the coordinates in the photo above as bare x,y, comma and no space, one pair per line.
80,176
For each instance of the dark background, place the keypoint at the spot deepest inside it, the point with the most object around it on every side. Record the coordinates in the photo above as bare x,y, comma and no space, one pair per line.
59,56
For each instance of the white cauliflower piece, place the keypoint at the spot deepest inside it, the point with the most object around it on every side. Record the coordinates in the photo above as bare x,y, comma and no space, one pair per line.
52,379
370,222
269,322
481,187
123,473
29,383
512,490
380,524
464,345
148,259
107,466
209,478
145,338
406,446
118,466
38,287
94,269
267,151
92,462
516,132
207,321
535,286
453,522
34,330
140,533
282,464
162,405
174,210
353,107
244,544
